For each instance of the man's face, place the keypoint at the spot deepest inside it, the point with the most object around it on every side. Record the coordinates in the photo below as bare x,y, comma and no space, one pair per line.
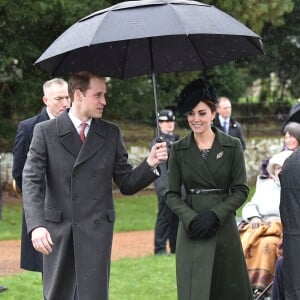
57,99
224,109
167,126
93,100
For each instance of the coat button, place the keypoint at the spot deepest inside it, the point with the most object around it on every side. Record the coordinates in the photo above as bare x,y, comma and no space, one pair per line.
95,173
96,221
75,197
75,222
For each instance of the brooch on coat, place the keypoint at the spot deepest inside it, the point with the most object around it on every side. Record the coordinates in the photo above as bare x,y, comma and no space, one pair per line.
219,155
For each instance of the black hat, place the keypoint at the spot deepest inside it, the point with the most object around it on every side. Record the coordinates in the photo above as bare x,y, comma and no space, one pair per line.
166,115
195,91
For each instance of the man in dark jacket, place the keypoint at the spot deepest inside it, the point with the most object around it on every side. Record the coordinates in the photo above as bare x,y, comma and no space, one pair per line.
56,100
226,123
166,222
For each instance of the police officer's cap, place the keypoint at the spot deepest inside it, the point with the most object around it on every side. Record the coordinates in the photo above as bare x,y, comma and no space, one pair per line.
166,115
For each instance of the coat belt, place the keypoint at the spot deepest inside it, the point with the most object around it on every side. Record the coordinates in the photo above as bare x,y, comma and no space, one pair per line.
207,191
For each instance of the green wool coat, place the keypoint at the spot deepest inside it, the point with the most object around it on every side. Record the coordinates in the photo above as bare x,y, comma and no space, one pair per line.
213,268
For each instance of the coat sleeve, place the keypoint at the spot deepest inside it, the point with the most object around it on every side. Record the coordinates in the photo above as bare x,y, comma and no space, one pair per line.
21,147
174,191
238,187
241,136
251,209
130,180
34,182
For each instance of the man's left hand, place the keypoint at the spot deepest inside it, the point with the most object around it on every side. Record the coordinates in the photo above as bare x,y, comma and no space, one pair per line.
158,154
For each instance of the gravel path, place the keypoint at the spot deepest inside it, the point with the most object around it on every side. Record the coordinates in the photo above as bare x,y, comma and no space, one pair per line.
125,244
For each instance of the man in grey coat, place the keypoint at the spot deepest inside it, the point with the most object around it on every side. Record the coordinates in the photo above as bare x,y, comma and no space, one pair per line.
289,213
79,155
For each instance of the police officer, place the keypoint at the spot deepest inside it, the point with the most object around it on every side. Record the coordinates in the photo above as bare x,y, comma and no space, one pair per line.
166,222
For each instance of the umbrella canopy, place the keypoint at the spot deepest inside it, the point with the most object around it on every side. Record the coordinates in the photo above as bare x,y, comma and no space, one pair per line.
293,115
149,37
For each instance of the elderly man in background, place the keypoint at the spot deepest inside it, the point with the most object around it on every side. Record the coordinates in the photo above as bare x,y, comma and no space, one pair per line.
56,100
226,123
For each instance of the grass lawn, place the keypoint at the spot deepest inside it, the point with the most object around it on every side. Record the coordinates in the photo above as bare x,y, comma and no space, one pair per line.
144,278
134,213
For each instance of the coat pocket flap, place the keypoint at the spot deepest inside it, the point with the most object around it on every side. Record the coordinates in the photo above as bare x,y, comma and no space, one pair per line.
53,215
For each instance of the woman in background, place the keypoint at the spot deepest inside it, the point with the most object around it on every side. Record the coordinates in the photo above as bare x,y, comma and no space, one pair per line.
261,230
291,135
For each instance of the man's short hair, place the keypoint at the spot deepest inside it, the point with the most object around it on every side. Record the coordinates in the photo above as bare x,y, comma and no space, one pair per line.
81,81
51,82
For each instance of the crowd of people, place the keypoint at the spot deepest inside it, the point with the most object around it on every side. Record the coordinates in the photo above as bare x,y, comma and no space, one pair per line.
200,181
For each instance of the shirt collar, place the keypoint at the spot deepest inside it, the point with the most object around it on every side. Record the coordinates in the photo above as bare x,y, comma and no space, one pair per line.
222,120
77,122
49,114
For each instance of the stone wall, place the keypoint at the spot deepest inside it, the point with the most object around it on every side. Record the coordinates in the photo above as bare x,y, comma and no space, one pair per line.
257,150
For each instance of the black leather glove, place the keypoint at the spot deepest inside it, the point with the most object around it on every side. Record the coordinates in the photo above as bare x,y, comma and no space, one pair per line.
204,225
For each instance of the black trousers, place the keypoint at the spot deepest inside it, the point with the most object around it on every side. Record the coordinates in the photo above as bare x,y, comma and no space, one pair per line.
166,227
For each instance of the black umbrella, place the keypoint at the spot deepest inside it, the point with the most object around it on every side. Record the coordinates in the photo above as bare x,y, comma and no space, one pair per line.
149,37
293,115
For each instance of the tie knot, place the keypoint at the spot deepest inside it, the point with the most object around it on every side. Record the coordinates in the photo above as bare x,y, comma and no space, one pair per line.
82,131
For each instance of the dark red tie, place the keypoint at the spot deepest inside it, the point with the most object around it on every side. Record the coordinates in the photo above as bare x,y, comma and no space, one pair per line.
81,134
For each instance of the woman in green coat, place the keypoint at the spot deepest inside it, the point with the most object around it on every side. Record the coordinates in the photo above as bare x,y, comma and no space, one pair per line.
209,259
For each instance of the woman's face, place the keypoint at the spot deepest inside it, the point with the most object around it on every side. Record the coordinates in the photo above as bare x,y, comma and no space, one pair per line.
200,118
291,142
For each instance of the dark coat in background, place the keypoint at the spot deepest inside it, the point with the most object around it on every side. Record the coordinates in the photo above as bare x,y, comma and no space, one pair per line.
212,268
235,129
290,212
30,259
78,208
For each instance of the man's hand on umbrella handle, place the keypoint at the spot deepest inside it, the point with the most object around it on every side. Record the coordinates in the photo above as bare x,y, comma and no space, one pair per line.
158,154
41,240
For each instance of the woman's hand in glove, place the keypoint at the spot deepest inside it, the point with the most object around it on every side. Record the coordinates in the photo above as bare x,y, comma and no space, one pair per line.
204,225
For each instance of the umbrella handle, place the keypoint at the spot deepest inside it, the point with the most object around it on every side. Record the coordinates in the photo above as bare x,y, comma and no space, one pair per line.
155,105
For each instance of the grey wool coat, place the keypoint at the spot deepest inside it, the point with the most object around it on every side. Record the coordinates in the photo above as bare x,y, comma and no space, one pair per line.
289,213
213,268
78,208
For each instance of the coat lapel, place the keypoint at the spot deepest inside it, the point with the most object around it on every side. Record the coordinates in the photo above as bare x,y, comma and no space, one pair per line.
68,134
94,141
71,140
219,152
197,164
